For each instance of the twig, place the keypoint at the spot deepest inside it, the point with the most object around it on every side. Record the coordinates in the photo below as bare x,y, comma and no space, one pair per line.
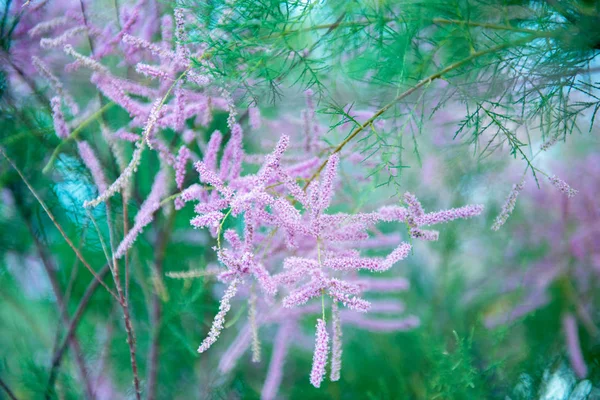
73,136
60,301
7,390
125,306
419,85
156,311
131,342
58,355
57,225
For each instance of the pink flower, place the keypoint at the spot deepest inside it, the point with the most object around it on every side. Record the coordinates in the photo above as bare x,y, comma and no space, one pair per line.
60,126
182,158
320,355
336,351
573,346
219,321
562,186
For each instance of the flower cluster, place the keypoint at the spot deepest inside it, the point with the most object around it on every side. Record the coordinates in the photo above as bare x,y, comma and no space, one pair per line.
292,256
292,249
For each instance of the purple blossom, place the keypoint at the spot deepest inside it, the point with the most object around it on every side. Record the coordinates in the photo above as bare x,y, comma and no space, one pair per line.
55,84
509,205
60,126
336,346
93,164
231,162
569,324
182,157
211,219
320,355
254,328
275,372
219,321
146,213
254,119
212,150
562,186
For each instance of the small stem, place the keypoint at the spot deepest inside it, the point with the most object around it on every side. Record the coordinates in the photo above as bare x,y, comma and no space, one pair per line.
9,392
124,305
125,232
59,353
57,225
220,229
323,303
131,168
156,309
322,290
419,85
74,135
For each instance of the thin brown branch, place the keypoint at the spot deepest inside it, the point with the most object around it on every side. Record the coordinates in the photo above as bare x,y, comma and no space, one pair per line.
156,311
419,85
7,390
62,308
132,342
57,225
125,306
58,355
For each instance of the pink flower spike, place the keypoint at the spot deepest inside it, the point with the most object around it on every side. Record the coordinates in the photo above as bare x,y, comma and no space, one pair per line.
156,50
414,206
450,215
254,328
60,126
265,281
238,152
311,129
509,205
303,295
91,162
231,162
353,303
180,26
424,234
209,177
336,351
146,213
182,157
166,31
275,373
235,351
273,160
180,101
321,353
400,253
573,346
151,71
47,26
219,321
562,186
327,184
354,263
212,150
56,85
210,220
254,118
